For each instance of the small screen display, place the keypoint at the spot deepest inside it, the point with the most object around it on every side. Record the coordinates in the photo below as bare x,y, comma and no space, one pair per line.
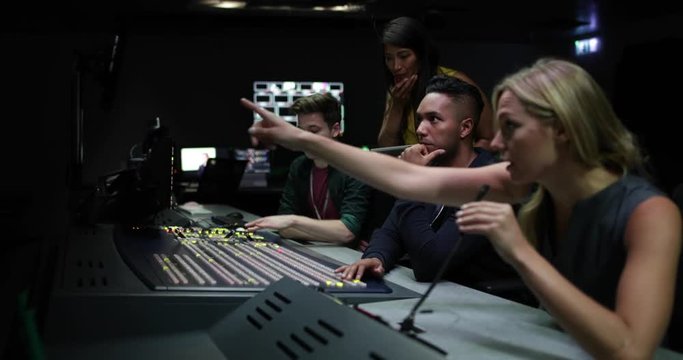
192,158
258,160
278,96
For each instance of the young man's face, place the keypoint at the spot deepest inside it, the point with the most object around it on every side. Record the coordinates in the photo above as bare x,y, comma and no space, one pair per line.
439,120
315,123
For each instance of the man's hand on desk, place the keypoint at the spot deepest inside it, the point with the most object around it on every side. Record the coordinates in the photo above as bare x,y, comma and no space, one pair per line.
275,222
298,227
356,270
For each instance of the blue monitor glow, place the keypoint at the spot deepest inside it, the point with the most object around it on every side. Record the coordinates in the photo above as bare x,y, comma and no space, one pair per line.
278,96
192,157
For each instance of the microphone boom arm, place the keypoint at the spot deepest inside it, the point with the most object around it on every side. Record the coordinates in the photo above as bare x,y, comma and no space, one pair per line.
408,324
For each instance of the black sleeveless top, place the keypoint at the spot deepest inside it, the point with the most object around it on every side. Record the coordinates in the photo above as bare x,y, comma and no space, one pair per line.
593,253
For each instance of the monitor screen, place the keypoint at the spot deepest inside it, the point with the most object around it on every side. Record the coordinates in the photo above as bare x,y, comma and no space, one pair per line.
278,96
257,167
258,160
192,157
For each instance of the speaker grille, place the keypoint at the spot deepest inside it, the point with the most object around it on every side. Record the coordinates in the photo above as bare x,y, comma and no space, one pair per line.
291,321
88,273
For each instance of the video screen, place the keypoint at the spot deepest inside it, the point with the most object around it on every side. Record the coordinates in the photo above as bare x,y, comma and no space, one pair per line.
258,160
191,158
278,96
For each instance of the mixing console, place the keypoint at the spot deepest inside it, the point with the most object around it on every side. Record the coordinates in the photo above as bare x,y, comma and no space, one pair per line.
226,259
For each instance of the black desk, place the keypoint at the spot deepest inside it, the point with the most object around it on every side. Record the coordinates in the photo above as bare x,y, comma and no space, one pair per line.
124,319
98,304
471,324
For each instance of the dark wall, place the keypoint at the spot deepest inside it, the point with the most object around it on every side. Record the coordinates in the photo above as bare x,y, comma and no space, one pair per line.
193,80
641,72
36,81
488,63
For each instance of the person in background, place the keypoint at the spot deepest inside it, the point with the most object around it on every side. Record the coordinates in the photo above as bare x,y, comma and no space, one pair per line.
318,202
447,115
596,243
411,58
202,166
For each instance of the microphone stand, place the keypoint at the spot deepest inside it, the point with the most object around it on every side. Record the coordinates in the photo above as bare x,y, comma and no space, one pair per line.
408,324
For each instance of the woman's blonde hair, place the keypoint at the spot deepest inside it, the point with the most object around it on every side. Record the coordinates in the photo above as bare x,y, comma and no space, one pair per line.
565,96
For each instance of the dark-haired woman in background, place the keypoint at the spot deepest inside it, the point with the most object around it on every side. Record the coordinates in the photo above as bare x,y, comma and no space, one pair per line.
411,59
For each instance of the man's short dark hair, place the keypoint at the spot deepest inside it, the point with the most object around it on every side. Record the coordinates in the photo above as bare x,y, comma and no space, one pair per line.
459,91
326,104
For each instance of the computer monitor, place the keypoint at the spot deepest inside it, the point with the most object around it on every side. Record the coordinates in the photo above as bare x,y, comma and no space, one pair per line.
258,160
257,167
278,96
192,157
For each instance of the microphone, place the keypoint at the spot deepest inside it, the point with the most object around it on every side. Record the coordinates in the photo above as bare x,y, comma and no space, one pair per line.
408,324
390,150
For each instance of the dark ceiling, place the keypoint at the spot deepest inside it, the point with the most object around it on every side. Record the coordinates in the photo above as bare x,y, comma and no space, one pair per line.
477,20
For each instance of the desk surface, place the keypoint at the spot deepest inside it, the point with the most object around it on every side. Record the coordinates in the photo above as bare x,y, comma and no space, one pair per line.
468,323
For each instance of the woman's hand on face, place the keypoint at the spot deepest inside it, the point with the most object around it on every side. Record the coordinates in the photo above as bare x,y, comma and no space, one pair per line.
497,221
402,89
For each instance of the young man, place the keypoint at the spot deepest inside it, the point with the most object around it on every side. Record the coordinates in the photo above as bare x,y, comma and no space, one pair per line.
447,115
318,203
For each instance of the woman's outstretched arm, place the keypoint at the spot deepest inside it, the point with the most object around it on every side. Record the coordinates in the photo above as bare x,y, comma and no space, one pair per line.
452,186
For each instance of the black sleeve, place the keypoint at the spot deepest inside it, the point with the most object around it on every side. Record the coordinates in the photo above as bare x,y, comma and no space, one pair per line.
428,248
385,243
